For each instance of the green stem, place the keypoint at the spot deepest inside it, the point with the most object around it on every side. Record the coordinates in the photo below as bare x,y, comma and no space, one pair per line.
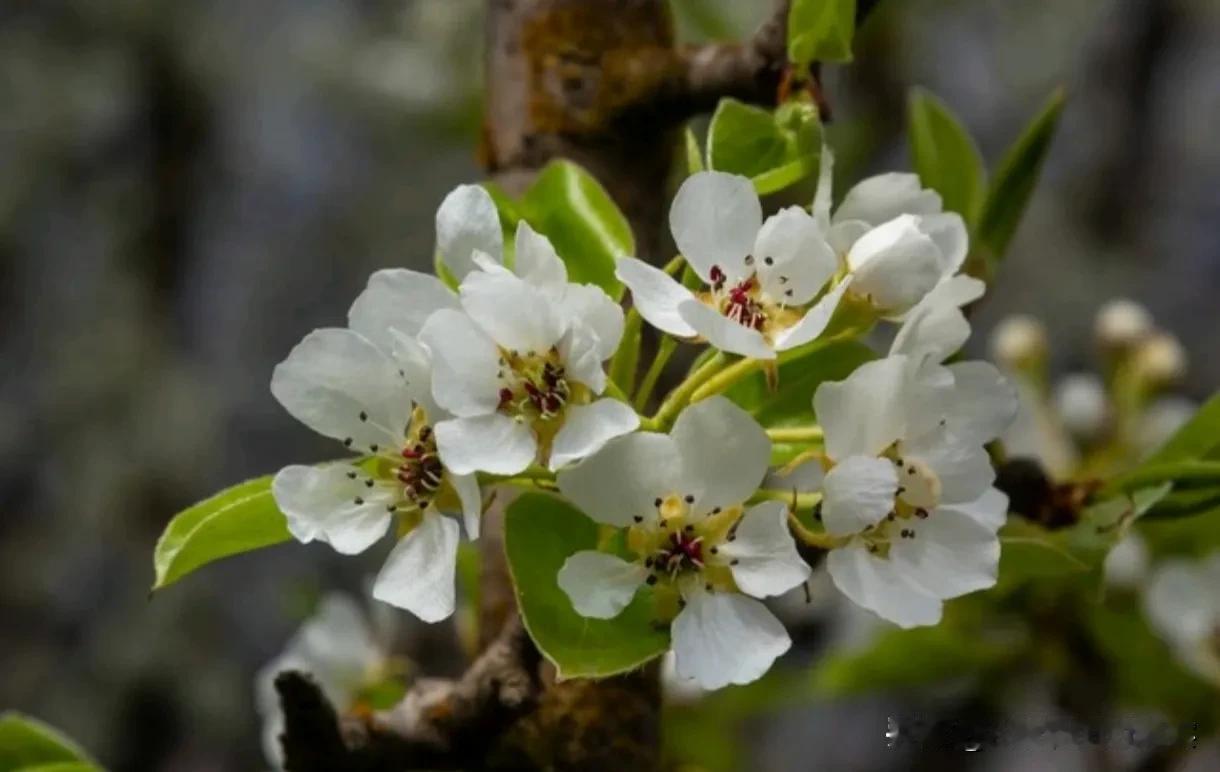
665,350
818,539
680,397
727,377
789,497
613,391
627,358
795,433
533,473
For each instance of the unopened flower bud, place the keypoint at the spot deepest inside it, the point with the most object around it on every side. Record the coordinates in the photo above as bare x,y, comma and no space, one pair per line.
1127,563
1161,359
1018,340
1080,401
1122,323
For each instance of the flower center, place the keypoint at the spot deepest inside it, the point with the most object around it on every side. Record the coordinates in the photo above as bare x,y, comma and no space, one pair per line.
421,470
746,303
533,386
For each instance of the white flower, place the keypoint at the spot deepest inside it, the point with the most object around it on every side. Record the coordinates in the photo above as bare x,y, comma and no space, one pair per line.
1160,359
682,498
520,373
1122,323
337,649
909,483
760,277
1018,341
1162,419
1126,563
377,403
1081,402
898,242
1184,607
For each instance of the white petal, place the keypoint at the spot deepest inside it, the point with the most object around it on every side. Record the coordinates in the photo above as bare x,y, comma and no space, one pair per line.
962,467
714,219
580,352
990,509
415,365
656,295
726,638
1178,602
591,308
465,363
397,299
515,313
843,235
858,493
957,291
815,320
872,583
724,333
536,261
600,585
931,330
466,221
621,481
894,265
950,554
984,401
791,257
724,448
333,377
863,414
764,553
324,503
586,428
471,498
418,575
948,231
884,197
487,443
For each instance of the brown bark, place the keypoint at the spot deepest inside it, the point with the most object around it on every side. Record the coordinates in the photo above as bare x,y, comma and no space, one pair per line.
602,83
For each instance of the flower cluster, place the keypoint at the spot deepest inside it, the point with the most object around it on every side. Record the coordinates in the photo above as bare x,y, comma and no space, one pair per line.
436,390
427,387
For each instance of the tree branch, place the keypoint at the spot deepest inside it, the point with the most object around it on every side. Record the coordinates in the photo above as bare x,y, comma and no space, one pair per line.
440,724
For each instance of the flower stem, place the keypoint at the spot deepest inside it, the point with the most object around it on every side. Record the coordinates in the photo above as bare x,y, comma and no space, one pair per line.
613,391
727,377
795,433
665,350
680,397
796,501
819,539
532,474
627,358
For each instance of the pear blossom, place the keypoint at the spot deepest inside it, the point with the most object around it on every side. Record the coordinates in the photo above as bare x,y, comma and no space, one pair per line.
520,372
760,277
378,403
1183,606
908,489
338,649
706,554
1122,323
901,248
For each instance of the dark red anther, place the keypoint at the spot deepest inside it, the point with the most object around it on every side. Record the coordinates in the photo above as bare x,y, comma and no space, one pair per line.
717,276
506,396
553,403
412,452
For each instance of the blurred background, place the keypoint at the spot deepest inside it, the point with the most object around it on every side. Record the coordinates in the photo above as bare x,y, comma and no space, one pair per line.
187,188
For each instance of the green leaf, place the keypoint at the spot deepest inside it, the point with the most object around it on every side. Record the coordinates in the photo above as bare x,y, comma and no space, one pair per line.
820,30
541,532
1187,502
27,743
1015,180
907,659
801,370
1184,473
945,155
576,213
694,156
774,149
1197,438
239,519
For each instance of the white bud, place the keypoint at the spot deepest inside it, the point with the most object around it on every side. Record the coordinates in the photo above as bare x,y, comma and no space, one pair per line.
1018,339
1080,401
1161,358
1122,323
1127,563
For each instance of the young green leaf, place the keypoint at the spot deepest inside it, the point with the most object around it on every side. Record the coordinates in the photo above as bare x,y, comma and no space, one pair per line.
1015,180
820,30
27,743
1197,438
775,150
694,156
576,213
945,155
239,519
540,533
